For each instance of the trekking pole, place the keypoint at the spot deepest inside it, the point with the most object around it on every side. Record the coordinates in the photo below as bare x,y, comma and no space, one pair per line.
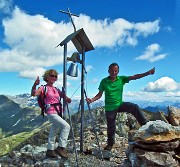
93,123
71,129
76,117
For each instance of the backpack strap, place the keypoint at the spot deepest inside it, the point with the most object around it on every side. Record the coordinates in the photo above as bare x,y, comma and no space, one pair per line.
55,105
60,93
44,91
60,111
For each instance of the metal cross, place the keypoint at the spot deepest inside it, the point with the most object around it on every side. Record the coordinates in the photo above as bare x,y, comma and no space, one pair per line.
70,15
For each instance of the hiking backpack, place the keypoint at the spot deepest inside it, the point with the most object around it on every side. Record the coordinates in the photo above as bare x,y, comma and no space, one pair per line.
44,107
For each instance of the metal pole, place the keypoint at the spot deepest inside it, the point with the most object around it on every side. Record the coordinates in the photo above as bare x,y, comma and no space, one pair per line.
65,76
71,129
94,128
82,99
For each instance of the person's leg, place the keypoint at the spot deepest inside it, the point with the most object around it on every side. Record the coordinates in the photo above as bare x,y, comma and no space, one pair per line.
51,139
58,122
52,133
64,133
134,110
111,126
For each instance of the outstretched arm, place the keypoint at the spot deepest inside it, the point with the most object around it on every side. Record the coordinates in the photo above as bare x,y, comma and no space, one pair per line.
138,76
98,96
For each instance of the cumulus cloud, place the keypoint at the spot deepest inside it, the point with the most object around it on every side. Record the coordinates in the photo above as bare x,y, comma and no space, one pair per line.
108,33
173,94
89,68
164,84
141,95
32,44
152,96
6,6
34,73
163,89
151,53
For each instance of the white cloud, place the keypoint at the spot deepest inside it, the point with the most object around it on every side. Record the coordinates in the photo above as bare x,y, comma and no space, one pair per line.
31,45
151,96
89,68
164,84
168,29
34,73
95,80
140,96
150,54
6,6
163,89
173,94
107,33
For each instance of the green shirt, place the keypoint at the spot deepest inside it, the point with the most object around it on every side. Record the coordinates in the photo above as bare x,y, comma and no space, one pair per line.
113,91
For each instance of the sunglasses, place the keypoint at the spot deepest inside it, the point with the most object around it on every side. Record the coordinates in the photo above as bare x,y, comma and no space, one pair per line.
55,76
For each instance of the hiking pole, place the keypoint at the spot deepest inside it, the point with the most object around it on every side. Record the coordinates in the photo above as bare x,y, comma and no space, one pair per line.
73,136
76,116
71,129
93,123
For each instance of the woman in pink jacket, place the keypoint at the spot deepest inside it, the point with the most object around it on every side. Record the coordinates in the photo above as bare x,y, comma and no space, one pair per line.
52,97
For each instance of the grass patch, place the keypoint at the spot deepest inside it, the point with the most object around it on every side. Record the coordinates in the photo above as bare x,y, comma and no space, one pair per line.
9,143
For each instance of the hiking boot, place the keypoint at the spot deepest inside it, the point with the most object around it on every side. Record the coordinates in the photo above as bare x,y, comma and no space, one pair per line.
108,147
51,154
61,152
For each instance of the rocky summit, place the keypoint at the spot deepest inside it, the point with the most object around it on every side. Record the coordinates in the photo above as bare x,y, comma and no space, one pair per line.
155,144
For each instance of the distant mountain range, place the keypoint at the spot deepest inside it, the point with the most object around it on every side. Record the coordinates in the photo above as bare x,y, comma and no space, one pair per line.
16,117
154,106
21,113
26,100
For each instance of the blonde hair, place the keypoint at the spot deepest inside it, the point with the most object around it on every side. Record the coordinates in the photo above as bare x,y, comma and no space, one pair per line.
47,73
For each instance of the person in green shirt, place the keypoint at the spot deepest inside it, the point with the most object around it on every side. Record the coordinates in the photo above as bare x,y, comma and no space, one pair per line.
113,88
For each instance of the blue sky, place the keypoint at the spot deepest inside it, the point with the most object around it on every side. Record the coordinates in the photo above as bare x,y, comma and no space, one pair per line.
138,35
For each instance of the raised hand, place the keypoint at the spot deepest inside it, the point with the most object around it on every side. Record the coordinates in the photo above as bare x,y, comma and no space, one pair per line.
152,71
37,81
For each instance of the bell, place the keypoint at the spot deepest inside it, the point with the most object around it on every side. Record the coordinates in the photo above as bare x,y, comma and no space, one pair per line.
73,70
74,58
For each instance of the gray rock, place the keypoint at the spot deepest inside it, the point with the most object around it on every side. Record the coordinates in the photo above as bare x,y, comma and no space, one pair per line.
174,116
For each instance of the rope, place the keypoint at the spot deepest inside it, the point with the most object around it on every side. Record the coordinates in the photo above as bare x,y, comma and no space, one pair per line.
79,87
75,91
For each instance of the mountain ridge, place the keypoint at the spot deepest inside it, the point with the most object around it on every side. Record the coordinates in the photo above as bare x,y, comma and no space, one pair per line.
27,100
21,113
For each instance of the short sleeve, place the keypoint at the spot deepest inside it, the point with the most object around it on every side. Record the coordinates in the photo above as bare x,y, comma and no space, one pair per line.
101,86
125,79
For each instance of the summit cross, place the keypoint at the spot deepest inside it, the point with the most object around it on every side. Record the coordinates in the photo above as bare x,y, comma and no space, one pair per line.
70,15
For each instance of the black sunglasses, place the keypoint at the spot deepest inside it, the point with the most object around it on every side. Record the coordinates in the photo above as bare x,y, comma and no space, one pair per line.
55,76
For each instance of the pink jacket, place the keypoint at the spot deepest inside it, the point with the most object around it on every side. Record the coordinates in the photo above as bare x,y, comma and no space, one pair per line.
52,96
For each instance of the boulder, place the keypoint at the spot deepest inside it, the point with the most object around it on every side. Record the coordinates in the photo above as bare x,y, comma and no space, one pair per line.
155,144
174,116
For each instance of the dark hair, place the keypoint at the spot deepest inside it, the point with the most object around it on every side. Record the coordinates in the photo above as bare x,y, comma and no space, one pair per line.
113,64
47,73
